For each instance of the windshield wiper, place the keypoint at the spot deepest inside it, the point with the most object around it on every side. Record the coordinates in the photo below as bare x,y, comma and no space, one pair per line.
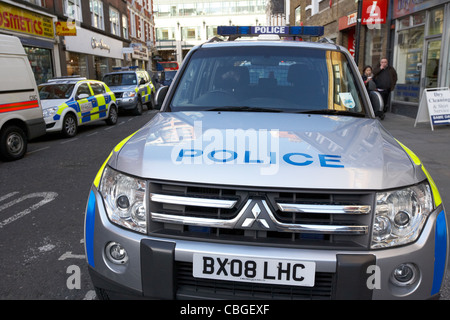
244,108
332,112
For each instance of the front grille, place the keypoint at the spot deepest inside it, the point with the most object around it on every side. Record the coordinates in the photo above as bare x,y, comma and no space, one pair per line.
258,215
189,287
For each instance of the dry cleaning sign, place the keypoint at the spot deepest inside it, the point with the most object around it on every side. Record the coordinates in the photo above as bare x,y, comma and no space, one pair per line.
437,106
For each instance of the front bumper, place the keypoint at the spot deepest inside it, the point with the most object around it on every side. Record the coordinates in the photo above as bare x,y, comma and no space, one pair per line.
126,103
162,268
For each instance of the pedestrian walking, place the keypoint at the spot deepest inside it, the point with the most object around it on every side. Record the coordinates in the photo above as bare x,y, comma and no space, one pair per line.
385,78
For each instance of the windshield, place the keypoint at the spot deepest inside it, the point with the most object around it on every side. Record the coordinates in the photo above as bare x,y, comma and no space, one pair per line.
56,91
120,79
282,79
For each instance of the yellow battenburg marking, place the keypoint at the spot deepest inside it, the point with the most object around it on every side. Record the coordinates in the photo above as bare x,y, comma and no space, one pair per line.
116,149
416,160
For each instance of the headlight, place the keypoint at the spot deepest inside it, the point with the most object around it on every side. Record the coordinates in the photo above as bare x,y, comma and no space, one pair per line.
129,94
400,215
49,112
124,198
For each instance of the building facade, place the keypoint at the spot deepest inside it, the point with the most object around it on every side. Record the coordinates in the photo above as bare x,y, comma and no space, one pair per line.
180,25
141,33
80,37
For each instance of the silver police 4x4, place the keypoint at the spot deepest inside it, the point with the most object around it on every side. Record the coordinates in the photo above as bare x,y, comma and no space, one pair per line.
132,87
265,175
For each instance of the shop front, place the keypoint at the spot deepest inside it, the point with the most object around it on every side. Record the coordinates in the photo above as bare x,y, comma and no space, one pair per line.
91,54
421,51
373,35
36,32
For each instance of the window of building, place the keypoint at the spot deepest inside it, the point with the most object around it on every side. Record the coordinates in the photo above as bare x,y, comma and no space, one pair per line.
114,19
165,33
72,9
37,2
133,24
436,21
125,26
297,15
97,20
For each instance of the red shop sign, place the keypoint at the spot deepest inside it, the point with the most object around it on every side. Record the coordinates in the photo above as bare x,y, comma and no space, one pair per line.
374,12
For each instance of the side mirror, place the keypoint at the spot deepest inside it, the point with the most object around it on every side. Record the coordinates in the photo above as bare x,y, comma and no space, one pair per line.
160,95
142,81
82,96
377,101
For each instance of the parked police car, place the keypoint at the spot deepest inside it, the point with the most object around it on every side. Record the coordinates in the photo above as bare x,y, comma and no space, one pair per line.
69,102
133,88
265,175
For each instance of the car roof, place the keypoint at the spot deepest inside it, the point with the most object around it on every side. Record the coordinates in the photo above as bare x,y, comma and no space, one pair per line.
69,80
271,43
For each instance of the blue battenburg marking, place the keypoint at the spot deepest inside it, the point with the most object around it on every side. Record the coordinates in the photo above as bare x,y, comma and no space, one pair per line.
440,252
89,232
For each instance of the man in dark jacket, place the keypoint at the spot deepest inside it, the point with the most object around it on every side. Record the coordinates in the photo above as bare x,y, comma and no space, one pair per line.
385,78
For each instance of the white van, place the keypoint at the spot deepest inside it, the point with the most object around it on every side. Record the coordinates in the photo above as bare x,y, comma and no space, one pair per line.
20,108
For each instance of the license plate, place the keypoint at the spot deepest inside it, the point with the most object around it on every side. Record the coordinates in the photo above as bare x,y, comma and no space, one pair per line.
247,269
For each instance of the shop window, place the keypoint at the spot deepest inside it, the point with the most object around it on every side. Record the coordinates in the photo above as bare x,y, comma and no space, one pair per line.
101,67
409,64
41,63
436,21
76,64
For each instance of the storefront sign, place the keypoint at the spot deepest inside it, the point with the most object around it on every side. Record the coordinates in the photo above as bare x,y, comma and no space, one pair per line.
434,107
64,28
351,42
24,21
374,12
89,42
347,21
100,44
140,51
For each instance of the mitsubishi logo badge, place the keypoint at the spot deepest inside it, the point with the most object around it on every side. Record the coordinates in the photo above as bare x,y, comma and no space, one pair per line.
248,222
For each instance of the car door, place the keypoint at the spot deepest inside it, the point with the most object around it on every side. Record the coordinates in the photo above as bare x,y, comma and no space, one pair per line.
143,87
102,100
86,103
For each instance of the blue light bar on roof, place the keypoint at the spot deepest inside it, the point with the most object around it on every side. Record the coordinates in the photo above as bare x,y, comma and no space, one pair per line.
280,30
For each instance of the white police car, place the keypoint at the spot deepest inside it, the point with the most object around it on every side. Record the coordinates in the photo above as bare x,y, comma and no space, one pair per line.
69,102
265,175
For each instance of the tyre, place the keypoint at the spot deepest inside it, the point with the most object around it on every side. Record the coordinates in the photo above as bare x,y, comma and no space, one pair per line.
139,109
13,143
69,126
113,115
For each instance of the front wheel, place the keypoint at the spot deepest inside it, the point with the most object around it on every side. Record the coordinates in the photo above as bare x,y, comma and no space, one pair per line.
139,109
69,127
112,118
13,143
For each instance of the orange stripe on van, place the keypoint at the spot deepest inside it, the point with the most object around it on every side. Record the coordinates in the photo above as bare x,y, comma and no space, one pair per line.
8,107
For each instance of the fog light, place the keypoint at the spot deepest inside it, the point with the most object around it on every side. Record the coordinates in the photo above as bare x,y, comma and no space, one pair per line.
116,253
405,274
401,219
